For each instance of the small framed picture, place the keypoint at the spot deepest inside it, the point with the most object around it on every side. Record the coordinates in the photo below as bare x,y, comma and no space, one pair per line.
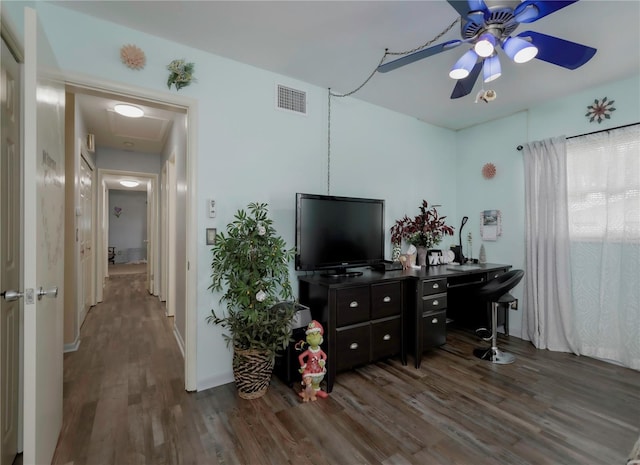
211,236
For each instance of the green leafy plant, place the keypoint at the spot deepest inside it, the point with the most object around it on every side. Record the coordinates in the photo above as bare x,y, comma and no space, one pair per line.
424,230
181,74
250,266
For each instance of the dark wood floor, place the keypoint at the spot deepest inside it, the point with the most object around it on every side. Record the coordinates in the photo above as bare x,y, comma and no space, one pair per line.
124,403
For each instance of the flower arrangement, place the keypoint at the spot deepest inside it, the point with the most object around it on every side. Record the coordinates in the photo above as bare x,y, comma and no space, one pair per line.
250,262
424,230
181,74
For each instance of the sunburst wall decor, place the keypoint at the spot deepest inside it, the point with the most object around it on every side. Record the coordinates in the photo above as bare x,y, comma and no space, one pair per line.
600,110
133,57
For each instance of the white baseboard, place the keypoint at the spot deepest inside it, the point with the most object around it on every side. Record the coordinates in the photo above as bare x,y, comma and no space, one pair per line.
179,340
215,381
72,347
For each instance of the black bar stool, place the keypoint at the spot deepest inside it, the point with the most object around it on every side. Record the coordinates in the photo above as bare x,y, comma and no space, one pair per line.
496,291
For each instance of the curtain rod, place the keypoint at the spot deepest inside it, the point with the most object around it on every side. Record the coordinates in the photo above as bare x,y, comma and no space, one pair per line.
520,147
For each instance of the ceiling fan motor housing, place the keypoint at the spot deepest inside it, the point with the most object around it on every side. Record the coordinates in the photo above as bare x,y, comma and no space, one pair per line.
499,20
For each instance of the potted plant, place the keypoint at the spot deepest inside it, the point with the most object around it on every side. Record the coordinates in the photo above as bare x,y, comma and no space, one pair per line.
424,231
250,268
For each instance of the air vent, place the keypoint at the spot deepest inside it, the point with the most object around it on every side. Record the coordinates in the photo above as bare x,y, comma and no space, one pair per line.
292,100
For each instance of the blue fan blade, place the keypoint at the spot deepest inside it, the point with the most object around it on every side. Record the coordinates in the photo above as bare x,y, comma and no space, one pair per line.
570,55
463,7
419,55
465,86
532,10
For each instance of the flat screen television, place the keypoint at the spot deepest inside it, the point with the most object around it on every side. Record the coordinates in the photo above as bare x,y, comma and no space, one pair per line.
336,233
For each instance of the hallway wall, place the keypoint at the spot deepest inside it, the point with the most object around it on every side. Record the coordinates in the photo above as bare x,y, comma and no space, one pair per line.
128,228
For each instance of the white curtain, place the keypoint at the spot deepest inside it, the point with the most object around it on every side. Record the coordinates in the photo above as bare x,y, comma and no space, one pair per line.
603,173
548,319
582,273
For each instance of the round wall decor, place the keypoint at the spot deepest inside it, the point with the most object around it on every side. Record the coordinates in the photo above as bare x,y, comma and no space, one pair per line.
599,110
132,57
488,170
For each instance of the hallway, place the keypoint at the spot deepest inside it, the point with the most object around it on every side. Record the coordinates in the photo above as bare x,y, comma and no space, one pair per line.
124,396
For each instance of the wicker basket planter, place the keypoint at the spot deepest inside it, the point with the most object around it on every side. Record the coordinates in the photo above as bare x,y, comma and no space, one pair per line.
252,371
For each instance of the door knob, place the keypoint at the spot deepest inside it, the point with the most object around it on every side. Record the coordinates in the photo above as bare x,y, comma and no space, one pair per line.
12,295
53,292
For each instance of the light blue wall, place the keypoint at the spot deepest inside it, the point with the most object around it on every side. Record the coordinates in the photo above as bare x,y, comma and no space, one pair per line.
496,142
248,151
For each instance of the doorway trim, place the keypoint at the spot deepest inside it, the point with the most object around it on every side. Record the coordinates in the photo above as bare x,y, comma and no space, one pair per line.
151,189
81,83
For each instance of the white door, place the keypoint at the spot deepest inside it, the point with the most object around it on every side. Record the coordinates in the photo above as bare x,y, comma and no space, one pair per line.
85,236
43,258
9,256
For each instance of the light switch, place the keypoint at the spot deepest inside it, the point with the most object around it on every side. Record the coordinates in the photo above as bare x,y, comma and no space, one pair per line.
212,208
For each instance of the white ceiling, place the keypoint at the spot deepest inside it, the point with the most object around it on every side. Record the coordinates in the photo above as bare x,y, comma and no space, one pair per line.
337,44
147,134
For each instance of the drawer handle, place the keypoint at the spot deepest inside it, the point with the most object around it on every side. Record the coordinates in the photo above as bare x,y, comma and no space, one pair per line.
387,299
436,286
435,302
434,321
353,304
353,346
495,275
386,337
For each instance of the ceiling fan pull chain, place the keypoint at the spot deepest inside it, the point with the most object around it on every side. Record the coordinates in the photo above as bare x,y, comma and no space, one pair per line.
387,52
448,28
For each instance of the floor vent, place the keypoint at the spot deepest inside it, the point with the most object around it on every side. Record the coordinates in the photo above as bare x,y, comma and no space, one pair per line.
292,100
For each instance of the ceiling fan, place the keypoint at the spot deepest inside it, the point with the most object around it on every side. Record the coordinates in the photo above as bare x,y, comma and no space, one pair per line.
487,24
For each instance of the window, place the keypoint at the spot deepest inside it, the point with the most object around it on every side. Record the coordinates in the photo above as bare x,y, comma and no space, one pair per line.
603,182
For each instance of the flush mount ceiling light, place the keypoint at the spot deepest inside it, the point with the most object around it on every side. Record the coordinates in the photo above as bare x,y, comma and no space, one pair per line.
129,111
129,183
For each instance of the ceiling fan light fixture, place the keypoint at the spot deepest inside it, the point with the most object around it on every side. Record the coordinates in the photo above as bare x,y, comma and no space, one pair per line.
519,50
485,45
491,69
126,183
130,111
464,65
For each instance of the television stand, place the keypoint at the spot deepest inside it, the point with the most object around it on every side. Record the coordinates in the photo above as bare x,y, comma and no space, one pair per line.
341,273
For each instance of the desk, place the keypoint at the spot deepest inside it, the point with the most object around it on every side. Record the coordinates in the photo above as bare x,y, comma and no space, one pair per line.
381,314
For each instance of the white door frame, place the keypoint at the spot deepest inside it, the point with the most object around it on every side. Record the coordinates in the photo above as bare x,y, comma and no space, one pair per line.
164,198
171,235
83,83
80,313
151,183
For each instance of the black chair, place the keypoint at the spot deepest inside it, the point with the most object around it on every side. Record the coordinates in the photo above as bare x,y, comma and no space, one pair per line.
496,291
